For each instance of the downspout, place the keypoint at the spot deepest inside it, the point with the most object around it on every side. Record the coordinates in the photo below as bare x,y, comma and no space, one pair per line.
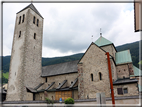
110,78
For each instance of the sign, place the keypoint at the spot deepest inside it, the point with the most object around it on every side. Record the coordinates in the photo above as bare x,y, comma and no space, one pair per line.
60,100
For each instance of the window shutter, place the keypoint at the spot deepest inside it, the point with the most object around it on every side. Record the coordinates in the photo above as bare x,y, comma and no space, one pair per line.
119,91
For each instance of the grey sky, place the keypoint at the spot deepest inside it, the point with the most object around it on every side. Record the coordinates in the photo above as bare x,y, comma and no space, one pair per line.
68,27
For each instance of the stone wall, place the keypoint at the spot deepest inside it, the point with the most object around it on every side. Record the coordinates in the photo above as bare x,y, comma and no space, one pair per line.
132,89
25,65
75,94
130,66
113,70
110,49
59,79
122,71
93,62
29,96
16,74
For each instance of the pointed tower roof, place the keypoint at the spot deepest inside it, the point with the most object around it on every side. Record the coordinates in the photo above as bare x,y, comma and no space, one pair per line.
31,6
102,41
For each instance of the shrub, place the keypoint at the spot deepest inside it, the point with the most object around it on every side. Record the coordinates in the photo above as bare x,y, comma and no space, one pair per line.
49,101
69,101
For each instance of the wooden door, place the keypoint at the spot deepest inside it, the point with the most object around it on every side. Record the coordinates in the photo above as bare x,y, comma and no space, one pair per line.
63,94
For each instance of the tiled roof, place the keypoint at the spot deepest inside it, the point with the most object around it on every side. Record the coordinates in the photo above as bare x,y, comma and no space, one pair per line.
61,84
137,71
31,90
140,88
74,82
38,86
102,41
49,86
31,6
58,69
124,81
123,57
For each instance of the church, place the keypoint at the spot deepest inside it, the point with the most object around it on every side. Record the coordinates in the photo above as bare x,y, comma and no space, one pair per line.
80,79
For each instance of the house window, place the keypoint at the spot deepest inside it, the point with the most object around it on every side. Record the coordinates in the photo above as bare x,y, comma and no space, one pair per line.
37,22
100,76
45,79
19,19
91,77
34,20
19,34
34,35
125,90
119,91
23,18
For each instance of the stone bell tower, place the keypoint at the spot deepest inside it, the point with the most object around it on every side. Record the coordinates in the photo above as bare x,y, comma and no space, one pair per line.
25,64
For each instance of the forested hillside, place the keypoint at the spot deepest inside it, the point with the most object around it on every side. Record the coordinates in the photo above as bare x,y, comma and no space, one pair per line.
133,47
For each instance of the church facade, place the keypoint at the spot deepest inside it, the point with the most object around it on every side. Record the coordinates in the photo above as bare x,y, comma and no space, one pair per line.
80,79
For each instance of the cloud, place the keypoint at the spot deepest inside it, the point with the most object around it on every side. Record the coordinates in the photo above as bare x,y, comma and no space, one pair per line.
68,27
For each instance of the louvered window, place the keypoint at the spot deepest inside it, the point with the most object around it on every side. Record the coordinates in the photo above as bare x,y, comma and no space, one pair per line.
119,91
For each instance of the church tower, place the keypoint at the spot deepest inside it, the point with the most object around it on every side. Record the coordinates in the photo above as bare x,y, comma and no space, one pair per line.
25,65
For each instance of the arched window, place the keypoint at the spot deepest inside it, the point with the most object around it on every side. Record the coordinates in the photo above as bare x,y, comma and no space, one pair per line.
34,35
37,22
19,19
23,18
91,77
19,34
100,76
34,20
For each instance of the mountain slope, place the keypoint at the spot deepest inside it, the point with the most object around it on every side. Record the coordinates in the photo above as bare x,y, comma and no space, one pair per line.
133,47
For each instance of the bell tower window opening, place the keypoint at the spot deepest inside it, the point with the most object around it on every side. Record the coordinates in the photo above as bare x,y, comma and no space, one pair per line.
34,20
100,76
37,22
23,18
19,34
34,35
91,77
19,19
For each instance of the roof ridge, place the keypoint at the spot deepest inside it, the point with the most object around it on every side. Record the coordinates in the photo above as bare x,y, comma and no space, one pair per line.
124,50
101,41
31,6
61,63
